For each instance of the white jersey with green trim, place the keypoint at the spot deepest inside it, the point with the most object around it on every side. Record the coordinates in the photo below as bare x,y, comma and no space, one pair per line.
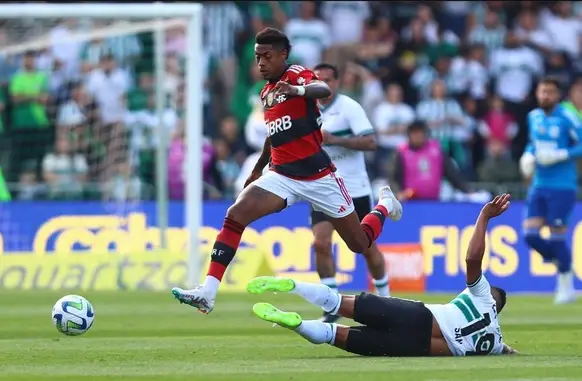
345,118
469,322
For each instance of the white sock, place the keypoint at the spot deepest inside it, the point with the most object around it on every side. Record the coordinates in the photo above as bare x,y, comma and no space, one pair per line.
211,284
317,332
382,286
320,295
566,281
388,203
329,282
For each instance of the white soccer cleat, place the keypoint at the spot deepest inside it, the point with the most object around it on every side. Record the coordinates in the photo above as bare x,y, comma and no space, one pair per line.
565,297
391,203
565,292
197,297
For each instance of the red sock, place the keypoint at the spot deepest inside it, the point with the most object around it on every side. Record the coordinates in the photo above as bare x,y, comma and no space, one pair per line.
373,223
225,247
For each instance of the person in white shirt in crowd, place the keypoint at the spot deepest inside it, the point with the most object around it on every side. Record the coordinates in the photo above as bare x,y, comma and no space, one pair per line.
391,119
514,69
531,34
563,28
446,121
347,132
341,14
108,85
64,171
73,117
64,47
123,186
491,33
468,73
309,35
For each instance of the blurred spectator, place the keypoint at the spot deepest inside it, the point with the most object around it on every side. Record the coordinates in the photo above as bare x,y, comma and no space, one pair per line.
498,166
360,84
173,78
223,24
374,52
308,35
75,117
514,69
530,33
31,137
391,120
227,166
346,20
123,186
64,172
29,187
491,33
177,163
229,131
445,120
424,77
64,47
420,166
563,28
498,125
176,43
109,85
558,67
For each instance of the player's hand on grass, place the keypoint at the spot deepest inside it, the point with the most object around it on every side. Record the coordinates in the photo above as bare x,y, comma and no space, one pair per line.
497,206
252,177
285,88
507,350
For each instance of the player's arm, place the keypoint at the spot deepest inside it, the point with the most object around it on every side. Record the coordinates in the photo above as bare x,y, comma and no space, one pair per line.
264,158
364,139
309,86
477,243
507,350
575,128
527,162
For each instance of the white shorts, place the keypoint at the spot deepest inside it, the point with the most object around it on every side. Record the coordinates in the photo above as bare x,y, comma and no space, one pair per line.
327,194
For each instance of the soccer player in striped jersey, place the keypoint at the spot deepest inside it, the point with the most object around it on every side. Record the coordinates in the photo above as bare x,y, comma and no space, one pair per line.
299,169
466,326
347,133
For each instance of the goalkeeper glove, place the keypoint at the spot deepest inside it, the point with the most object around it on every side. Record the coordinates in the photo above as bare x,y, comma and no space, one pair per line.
551,157
527,164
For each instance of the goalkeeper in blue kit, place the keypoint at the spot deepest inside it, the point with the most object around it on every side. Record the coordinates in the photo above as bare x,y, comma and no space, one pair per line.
555,143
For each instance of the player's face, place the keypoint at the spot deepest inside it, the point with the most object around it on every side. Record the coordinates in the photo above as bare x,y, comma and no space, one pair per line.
269,60
548,95
576,94
326,75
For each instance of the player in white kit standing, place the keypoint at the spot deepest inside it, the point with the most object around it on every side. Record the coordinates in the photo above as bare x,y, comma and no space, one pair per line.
347,133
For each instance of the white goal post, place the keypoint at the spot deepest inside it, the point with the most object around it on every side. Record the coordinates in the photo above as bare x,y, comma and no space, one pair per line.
192,13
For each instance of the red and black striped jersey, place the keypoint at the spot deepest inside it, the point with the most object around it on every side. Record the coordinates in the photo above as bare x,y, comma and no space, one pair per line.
294,128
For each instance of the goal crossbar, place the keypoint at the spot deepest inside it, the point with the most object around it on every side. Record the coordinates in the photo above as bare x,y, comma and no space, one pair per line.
194,87
136,10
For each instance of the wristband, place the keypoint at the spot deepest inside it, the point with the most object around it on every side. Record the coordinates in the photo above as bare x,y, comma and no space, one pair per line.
300,90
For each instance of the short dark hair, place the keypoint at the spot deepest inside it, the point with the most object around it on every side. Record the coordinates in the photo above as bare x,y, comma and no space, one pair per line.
274,37
502,298
326,66
417,125
550,80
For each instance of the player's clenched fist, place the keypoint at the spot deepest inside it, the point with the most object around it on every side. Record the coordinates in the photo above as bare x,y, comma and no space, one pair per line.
497,206
252,177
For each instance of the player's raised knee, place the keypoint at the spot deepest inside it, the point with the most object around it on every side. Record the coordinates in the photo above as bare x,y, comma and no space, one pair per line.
239,212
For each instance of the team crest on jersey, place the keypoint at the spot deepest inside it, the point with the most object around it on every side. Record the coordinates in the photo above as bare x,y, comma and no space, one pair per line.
270,98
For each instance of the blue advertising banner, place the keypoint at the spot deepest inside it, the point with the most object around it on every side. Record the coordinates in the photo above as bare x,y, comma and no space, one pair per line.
111,246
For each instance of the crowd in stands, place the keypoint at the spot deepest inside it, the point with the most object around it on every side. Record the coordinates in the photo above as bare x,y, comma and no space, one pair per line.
80,114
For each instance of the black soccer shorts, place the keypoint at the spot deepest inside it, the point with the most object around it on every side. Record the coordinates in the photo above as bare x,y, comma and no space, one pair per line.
391,327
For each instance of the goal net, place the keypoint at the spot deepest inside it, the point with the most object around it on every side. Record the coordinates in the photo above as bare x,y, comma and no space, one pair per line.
91,97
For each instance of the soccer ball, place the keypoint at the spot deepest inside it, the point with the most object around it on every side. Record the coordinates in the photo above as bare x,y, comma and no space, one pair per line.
73,315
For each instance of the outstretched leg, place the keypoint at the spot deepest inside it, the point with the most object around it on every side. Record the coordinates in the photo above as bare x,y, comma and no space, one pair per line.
253,203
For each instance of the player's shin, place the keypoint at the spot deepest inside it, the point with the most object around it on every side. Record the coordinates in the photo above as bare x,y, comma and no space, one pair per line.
535,241
377,267
373,223
317,332
320,295
223,252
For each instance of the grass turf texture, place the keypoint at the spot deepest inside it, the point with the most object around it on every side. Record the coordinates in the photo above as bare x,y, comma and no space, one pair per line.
148,336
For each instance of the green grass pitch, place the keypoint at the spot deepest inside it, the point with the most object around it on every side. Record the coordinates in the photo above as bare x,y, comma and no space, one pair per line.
149,336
